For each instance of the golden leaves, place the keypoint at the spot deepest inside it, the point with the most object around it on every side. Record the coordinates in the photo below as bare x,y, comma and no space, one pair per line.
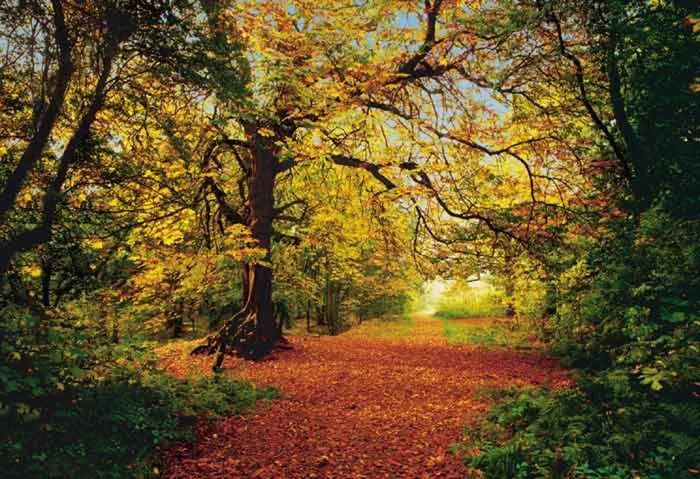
170,236
32,270
239,245
94,243
266,132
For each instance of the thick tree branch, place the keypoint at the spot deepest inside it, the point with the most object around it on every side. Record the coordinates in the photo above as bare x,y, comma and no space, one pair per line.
284,237
632,141
231,215
286,164
432,10
235,142
422,179
374,170
286,206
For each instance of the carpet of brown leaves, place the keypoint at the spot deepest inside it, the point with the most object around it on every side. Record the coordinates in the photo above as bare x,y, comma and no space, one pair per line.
358,405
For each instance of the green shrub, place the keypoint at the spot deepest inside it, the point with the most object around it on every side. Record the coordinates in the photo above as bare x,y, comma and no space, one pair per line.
604,428
110,430
530,290
397,306
627,314
74,405
634,302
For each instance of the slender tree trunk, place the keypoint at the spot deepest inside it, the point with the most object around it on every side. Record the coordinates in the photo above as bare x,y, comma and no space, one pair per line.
321,314
332,309
509,286
36,146
46,271
115,328
178,318
42,233
308,316
508,293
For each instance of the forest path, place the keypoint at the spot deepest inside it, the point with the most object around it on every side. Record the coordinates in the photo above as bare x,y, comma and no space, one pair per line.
384,400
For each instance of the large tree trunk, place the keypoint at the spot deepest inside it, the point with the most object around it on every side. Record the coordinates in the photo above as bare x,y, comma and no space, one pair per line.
262,212
252,332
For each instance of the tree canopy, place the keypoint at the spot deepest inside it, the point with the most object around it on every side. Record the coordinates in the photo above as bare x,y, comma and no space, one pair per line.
228,171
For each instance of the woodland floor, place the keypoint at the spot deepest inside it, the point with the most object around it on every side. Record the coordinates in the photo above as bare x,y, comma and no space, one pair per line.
384,400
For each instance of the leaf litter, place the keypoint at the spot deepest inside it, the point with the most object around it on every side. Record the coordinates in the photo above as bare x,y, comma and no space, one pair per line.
358,405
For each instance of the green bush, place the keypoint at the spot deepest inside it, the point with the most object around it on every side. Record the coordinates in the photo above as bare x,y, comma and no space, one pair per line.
627,314
396,306
604,428
639,310
499,333
530,291
72,404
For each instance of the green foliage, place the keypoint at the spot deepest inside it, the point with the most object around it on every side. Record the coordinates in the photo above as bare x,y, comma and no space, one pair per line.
389,305
627,313
69,396
530,290
120,420
640,310
604,428
656,48
627,305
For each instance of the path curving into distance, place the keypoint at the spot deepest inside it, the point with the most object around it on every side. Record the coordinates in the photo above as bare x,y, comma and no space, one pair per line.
380,401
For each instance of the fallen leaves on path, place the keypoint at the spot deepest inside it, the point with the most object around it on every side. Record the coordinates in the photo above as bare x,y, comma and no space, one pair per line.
358,406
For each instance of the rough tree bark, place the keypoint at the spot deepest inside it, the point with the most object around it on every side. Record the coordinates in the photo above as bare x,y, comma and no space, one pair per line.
262,187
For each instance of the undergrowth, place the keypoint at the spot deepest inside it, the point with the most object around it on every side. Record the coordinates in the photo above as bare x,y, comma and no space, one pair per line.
470,310
78,409
392,326
626,313
603,428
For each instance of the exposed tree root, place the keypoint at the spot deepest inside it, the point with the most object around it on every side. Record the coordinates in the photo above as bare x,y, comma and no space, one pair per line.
238,337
